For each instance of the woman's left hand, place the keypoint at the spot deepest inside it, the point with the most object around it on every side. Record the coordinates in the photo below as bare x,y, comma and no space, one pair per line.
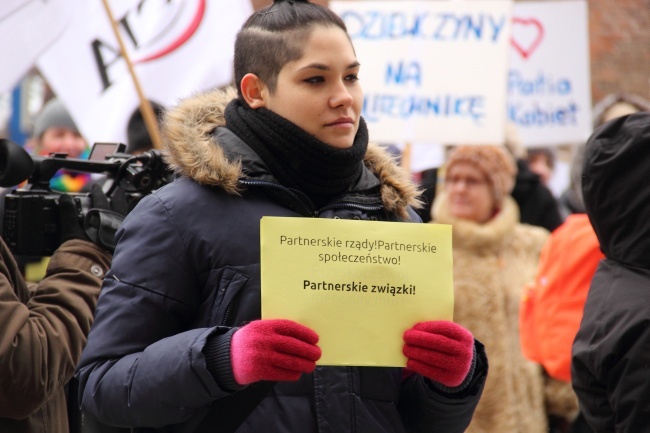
439,350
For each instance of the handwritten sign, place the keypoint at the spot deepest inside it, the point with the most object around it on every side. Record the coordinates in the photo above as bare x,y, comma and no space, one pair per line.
549,90
432,71
358,284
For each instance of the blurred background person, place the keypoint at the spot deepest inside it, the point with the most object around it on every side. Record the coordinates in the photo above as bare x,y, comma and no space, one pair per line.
541,161
618,104
570,201
537,205
137,135
494,257
56,132
613,106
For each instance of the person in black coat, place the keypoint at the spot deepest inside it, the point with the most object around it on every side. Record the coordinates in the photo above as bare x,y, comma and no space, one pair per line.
537,204
178,342
610,355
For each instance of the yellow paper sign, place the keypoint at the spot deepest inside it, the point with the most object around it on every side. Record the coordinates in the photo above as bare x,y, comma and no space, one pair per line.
358,284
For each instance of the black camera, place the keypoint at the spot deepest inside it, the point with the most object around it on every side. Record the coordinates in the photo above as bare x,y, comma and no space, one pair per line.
31,218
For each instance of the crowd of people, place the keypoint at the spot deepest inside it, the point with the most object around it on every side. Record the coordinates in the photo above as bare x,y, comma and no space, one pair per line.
154,322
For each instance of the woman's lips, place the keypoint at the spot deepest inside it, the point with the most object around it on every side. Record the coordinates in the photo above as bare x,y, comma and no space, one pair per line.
343,122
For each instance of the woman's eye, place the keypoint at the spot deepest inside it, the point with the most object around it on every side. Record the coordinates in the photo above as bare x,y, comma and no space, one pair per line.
314,80
352,77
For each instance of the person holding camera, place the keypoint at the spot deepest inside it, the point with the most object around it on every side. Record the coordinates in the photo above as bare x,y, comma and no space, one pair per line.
45,325
54,132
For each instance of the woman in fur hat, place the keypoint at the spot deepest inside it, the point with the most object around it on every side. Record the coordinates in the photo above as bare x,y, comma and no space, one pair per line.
494,256
178,343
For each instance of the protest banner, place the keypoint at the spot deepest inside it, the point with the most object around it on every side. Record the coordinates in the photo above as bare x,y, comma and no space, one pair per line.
432,71
549,85
358,284
27,29
178,48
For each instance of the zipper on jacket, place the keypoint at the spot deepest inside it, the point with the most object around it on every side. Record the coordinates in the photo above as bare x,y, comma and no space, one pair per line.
226,315
303,202
306,203
351,395
363,207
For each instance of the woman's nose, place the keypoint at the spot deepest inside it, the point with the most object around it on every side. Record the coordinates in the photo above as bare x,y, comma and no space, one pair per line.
342,96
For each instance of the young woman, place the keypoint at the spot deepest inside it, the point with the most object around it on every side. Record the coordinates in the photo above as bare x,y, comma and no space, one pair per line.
178,344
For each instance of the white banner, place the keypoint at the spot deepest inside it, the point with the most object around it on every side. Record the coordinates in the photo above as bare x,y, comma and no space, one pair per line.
27,29
432,71
178,48
549,86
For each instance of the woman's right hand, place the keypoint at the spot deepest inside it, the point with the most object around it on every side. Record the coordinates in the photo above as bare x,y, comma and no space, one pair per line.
273,350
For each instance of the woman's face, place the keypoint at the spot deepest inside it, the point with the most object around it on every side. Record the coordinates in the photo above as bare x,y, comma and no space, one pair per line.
469,193
320,92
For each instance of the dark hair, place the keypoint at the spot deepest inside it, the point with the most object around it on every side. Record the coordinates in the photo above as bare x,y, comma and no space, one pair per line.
137,135
275,35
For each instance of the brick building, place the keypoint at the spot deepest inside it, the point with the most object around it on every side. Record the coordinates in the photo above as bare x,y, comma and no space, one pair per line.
619,47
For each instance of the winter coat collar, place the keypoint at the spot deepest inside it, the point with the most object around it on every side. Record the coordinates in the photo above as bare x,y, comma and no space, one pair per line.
192,151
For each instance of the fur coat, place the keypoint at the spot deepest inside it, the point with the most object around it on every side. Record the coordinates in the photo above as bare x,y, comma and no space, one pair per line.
492,263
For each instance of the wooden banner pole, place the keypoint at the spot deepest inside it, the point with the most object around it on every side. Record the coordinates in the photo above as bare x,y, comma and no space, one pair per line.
145,106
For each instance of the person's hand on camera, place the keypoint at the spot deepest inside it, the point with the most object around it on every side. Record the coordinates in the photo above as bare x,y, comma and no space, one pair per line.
101,221
442,351
273,350
69,220
104,218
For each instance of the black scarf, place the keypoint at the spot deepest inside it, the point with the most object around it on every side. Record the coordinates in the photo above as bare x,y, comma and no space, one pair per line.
296,158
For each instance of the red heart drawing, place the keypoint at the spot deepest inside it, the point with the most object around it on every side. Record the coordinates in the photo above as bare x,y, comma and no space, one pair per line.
526,49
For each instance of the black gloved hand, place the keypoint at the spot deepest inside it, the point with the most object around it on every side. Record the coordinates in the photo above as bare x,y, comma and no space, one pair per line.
104,218
69,220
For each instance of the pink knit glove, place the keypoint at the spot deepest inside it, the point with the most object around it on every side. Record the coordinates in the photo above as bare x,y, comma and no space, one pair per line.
439,350
275,350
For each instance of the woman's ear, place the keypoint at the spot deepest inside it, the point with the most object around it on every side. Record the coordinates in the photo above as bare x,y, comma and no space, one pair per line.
252,90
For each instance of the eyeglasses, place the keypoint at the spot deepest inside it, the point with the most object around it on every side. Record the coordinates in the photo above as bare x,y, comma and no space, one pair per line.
470,182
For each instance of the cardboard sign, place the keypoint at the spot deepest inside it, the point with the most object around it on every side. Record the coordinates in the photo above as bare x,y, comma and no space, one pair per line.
358,284
549,88
432,71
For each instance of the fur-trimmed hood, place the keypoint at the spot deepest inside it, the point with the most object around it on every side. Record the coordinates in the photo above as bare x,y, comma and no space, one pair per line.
191,151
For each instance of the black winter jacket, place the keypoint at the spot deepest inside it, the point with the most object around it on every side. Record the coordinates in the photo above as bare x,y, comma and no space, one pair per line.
537,205
611,353
187,266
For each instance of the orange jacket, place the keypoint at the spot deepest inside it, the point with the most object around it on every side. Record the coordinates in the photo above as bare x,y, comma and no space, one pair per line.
551,307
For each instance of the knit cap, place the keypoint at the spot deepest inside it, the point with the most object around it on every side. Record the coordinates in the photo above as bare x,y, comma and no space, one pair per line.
53,114
495,162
